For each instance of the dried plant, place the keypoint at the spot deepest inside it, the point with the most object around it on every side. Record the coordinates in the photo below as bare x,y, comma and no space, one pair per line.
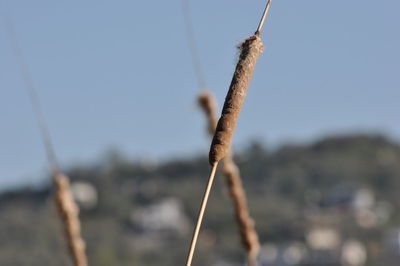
207,104
69,211
67,208
247,229
233,180
250,49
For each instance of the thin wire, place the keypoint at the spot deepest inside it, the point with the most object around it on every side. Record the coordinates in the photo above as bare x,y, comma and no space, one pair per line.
264,15
33,96
193,46
201,214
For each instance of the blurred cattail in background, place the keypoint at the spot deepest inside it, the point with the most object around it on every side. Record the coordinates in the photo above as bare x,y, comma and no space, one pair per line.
237,193
67,208
69,212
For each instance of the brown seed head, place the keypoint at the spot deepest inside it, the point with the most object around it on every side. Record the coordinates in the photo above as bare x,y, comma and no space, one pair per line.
207,103
250,49
69,211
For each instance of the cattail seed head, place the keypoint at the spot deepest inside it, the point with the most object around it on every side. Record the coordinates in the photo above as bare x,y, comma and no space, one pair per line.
207,103
250,49
69,212
236,190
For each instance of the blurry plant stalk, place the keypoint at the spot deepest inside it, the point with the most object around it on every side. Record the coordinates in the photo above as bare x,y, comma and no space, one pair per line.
237,193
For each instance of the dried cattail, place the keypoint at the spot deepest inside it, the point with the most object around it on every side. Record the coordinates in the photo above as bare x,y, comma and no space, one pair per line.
66,206
69,211
250,49
207,104
246,224
237,193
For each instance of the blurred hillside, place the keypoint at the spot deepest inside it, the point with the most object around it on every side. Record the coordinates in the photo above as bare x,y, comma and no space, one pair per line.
334,202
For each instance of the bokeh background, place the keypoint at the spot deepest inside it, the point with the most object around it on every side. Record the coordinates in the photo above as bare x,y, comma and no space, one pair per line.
317,140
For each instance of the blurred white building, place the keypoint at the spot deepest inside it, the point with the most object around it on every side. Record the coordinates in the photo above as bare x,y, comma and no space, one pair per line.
85,194
166,215
321,238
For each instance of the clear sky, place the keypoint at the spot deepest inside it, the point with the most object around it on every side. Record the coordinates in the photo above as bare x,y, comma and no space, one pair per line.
118,74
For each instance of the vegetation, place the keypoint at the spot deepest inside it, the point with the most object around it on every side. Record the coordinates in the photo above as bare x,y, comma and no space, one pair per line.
290,191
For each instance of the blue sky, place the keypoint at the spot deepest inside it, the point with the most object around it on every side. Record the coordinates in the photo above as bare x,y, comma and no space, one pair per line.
118,74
